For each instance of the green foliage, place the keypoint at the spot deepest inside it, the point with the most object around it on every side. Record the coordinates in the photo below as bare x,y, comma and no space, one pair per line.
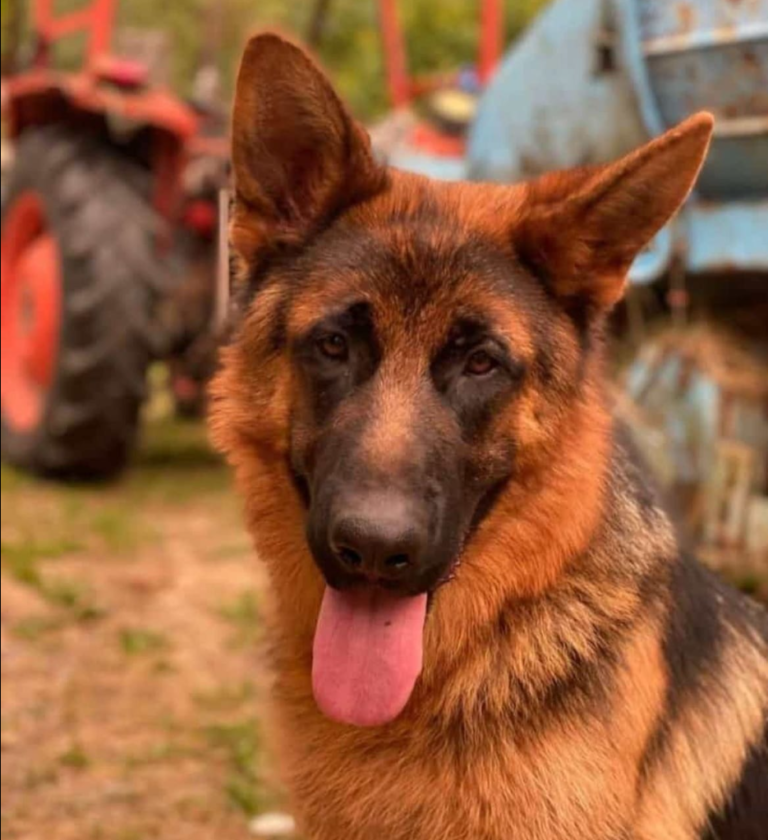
439,35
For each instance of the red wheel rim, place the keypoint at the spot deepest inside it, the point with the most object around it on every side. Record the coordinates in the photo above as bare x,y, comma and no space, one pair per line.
31,311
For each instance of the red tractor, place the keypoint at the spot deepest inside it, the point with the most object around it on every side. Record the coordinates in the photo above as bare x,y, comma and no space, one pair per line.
109,230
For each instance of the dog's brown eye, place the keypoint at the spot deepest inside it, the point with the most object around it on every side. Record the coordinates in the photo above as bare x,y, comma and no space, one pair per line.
334,346
479,363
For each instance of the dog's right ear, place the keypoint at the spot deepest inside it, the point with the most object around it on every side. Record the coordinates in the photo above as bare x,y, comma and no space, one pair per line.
297,154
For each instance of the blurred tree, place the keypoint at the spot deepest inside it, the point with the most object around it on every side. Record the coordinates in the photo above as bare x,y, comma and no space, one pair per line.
317,22
439,35
12,17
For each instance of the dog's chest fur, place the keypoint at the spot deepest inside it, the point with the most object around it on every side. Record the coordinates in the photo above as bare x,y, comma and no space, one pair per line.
412,789
494,778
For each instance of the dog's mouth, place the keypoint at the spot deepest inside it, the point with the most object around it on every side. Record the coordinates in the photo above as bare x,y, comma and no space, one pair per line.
369,641
368,651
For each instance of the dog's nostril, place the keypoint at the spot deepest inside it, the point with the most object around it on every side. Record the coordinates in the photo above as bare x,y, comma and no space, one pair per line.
398,561
350,557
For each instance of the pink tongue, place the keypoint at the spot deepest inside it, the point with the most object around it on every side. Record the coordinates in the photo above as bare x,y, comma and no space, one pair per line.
367,654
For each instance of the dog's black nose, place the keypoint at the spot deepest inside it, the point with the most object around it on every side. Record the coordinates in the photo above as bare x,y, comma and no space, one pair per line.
377,538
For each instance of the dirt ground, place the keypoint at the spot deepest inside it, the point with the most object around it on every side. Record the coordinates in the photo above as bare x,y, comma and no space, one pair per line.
130,627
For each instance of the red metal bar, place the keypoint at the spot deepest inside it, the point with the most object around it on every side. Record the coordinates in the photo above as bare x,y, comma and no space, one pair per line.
394,54
101,34
491,38
42,14
96,19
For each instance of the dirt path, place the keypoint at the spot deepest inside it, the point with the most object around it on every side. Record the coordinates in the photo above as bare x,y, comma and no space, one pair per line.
130,627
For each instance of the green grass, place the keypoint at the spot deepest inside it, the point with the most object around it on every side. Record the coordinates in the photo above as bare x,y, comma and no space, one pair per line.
227,698
23,562
74,597
138,641
118,529
35,628
12,480
244,615
175,463
162,753
22,556
75,758
240,744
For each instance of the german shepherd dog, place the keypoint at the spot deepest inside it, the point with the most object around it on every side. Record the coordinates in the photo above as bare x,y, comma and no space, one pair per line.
481,624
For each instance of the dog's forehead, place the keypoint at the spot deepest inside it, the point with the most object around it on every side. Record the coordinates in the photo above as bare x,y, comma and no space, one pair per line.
418,263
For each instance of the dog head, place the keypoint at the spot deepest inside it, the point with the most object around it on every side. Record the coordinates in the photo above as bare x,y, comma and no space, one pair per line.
414,353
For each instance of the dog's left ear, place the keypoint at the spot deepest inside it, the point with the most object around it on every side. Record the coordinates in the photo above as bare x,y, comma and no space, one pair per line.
580,231
297,154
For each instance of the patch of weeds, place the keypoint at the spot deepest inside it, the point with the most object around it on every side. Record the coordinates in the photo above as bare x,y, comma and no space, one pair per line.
34,628
163,667
11,479
117,528
22,562
75,758
244,614
227,698
244,794
176,442
175,462
21,558
21,565
74,597
137,641
166,751
240,743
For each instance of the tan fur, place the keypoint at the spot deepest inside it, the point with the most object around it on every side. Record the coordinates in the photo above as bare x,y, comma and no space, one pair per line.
684,788
482,751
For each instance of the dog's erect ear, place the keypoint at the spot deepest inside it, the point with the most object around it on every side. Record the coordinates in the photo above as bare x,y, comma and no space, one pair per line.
298,156
580,231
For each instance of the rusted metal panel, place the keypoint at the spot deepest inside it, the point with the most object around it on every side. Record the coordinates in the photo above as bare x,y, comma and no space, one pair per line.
712,54
723,236
663,18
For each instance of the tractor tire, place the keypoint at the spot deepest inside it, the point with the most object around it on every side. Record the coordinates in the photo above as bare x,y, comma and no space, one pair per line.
77,347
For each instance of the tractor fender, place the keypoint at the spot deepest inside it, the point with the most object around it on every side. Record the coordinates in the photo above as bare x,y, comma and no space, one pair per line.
41,97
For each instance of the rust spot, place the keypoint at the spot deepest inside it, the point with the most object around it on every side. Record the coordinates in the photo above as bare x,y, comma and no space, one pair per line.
750,60
686,15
